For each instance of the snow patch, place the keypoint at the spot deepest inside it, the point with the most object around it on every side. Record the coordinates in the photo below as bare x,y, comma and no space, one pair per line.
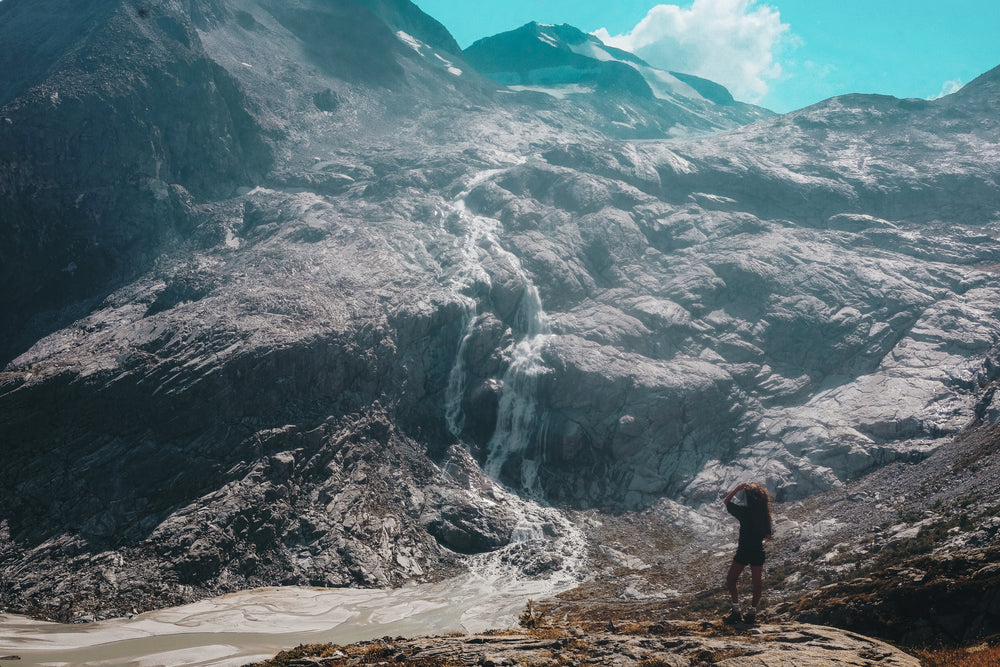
449,65
548,39
559,92
591,50
664,85
409,40
419,46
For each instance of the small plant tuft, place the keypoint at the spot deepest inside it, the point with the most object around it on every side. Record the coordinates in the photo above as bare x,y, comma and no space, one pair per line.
532,617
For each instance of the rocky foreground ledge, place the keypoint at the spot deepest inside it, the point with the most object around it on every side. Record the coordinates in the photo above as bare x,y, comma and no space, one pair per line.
645,644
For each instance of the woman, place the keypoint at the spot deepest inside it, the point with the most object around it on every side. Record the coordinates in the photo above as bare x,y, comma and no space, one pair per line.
755,527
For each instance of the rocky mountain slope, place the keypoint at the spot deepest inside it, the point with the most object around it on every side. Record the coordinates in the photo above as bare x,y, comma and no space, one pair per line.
906,554
291,294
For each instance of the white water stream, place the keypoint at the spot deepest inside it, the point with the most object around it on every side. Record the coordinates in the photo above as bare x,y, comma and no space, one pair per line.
519,422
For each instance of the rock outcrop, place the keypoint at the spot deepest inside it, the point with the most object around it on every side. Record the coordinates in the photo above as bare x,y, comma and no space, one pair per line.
110,131
946,598
676,643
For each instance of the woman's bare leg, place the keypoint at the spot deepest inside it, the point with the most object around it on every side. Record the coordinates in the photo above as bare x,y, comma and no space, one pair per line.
757,575
734,575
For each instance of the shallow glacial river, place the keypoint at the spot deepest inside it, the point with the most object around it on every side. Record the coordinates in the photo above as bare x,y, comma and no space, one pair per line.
254,625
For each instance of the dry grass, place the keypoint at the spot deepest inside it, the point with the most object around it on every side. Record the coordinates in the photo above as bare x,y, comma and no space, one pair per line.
979,656
299,652
331,655
547,632
501,632
376,653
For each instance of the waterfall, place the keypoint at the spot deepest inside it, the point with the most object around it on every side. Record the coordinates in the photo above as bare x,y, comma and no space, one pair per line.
542,537
477,231
453,414
519,419
520,422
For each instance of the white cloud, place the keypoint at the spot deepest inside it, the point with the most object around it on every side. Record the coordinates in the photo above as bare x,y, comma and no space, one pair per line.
949,87
732,42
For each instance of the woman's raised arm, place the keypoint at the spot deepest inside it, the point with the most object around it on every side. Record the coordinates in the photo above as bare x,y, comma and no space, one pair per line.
733,493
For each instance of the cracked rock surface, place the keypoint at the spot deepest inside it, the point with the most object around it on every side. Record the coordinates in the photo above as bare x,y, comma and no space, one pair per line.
675,643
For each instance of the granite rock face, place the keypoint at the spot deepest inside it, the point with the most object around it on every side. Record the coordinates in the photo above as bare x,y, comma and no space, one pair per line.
292,328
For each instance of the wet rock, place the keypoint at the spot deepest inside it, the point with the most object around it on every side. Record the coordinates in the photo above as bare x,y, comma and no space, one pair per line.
466,524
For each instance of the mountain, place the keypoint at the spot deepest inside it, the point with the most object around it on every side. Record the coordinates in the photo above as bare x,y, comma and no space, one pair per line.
125,114
634,99
291,294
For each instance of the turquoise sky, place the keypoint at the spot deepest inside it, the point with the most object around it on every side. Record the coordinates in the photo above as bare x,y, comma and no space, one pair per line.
816,48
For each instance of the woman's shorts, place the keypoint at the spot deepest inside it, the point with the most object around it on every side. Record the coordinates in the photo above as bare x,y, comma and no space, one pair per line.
750,556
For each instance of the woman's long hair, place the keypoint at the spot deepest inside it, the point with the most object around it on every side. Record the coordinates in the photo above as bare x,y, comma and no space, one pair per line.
759,505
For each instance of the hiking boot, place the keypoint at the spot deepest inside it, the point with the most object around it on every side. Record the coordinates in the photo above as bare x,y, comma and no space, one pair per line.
733,618
750,616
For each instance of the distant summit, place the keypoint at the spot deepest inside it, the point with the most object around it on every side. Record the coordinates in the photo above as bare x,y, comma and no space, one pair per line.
562,61
549,56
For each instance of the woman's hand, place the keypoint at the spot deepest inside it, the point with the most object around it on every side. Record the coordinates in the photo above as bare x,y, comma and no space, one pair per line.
732,493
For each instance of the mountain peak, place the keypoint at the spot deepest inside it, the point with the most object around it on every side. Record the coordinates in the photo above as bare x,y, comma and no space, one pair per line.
986,87
406,16
563,61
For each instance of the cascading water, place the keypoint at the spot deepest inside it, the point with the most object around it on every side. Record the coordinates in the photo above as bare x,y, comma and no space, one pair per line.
547,553
478,231
519,419
544,539
453,413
